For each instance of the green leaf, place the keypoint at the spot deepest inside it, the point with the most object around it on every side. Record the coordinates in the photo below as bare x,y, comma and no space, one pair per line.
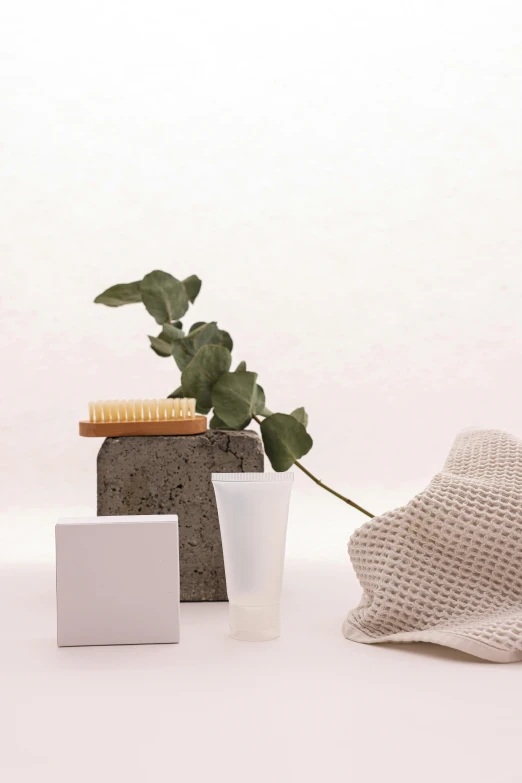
259,402
207,334
177,393
301,415
226,339
159,346
200,375
164,297
192,286
162,344
234,397
197,325
241,367
172,332
217,424
122,294
285,440
178,325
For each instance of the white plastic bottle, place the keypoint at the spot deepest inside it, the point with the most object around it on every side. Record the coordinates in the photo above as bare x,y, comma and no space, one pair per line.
253,517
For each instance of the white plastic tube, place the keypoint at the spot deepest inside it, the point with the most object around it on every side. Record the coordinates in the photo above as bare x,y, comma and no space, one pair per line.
253,517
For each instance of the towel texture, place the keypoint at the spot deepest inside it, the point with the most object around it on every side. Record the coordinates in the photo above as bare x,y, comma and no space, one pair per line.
447,567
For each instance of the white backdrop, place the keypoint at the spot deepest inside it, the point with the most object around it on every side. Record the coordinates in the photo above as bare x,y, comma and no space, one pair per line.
345,177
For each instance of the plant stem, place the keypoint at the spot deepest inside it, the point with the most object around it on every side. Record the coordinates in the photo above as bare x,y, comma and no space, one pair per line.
324,486
333,492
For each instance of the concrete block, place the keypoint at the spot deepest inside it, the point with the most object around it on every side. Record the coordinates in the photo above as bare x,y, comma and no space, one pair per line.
172,475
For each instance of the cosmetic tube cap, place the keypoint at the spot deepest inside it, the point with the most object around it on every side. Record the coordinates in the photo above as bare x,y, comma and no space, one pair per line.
254,623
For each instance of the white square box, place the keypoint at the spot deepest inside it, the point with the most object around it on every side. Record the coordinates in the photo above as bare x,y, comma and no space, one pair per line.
117,580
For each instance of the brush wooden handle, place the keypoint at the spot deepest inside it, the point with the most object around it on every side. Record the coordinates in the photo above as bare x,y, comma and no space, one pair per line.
121,429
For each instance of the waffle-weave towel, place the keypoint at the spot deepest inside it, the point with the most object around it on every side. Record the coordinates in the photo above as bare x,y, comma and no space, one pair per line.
447,567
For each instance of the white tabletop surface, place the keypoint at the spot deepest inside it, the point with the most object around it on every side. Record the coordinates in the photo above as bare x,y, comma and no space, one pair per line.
309,706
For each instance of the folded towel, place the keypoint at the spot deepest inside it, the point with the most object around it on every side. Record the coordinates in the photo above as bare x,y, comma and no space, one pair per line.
447,567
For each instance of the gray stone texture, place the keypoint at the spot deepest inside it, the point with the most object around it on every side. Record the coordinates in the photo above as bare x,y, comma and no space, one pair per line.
172,475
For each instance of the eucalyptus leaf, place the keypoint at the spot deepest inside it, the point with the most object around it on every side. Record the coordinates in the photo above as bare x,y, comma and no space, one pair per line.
159,346
241,367
197,325
200,375
172,332
121,294
259,402
178,324
192,286
217,424
301,415
207,334
162,344
164,297
285,440
234,397
226,339
177,393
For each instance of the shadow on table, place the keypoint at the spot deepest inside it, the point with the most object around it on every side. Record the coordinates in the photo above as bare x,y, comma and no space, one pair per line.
439,651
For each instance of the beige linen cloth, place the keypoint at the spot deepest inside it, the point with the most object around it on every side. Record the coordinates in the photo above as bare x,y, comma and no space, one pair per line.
447,567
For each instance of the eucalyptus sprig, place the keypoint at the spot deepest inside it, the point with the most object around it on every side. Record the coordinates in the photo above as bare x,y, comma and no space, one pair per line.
203,354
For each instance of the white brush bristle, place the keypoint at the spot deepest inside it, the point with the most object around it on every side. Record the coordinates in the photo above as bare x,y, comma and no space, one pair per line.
142,410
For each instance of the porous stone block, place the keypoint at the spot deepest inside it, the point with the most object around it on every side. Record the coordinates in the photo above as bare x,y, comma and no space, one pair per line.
172,475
